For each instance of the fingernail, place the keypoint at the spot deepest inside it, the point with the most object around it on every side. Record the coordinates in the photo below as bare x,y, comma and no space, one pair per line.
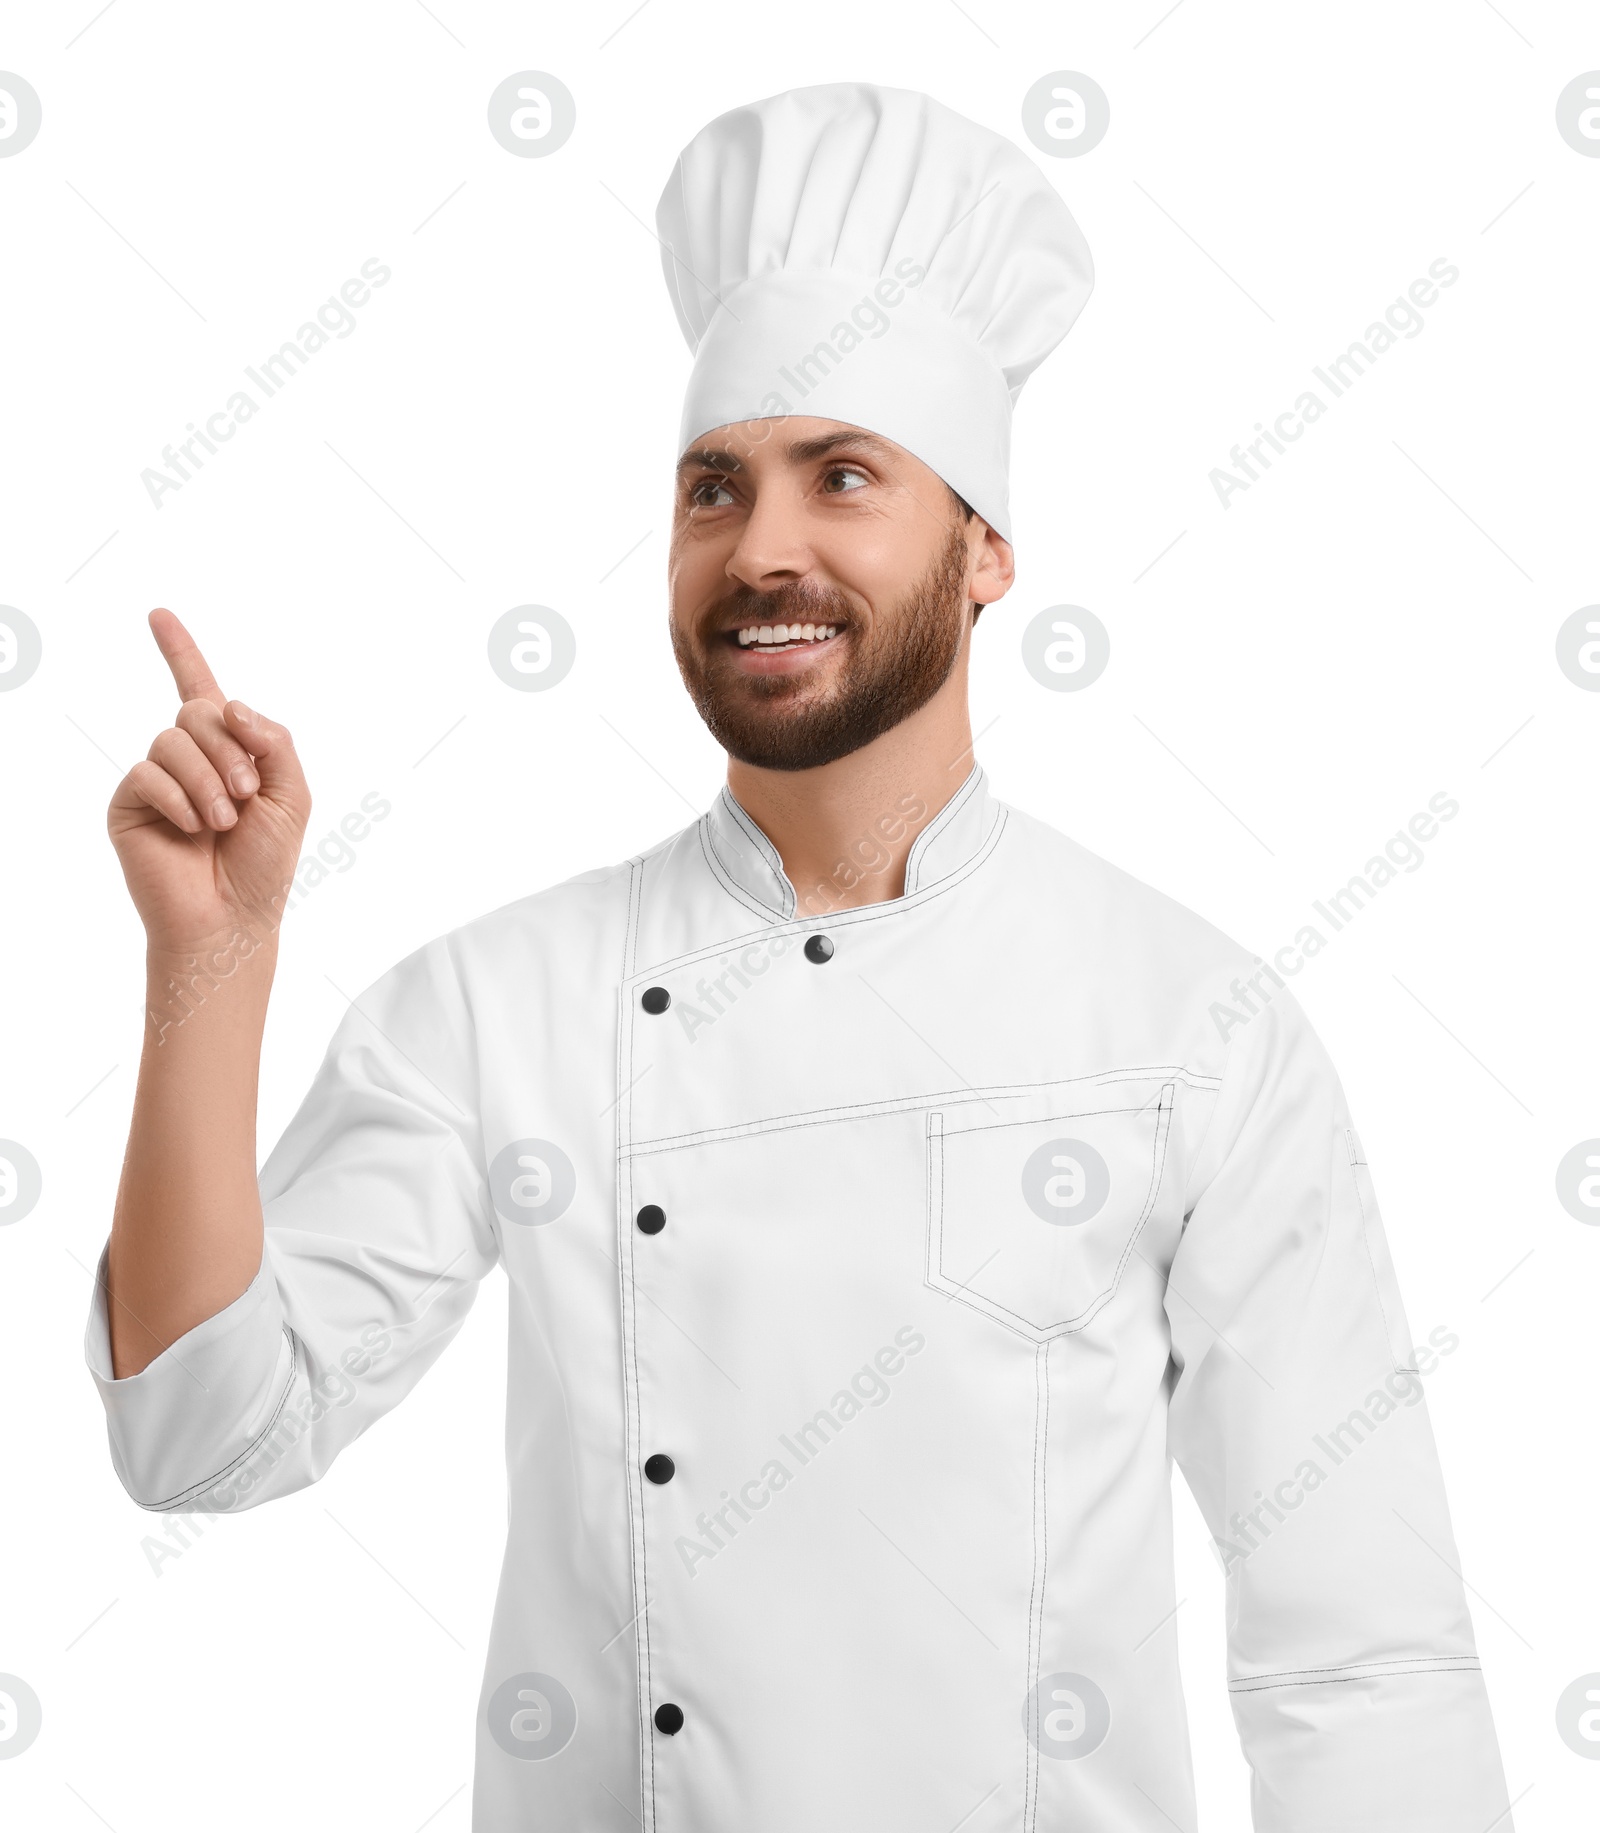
222,812
243,780
243,712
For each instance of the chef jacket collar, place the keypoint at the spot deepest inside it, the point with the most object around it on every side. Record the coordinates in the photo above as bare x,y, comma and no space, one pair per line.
751,862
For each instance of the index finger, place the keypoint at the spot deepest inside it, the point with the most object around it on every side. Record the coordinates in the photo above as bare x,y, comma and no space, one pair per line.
195,680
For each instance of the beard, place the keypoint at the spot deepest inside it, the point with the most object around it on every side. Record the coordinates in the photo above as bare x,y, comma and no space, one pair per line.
887,671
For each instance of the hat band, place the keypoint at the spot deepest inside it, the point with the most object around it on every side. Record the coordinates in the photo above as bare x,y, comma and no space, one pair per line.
864,350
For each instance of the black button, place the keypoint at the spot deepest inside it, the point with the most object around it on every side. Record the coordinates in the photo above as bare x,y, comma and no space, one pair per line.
659,1468
655,1000
819,949
669,1719
651,1219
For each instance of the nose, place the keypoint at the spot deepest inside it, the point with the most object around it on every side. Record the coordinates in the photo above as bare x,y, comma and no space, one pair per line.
773,548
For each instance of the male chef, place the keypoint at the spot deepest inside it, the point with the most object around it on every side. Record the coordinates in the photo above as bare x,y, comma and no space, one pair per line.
882,1206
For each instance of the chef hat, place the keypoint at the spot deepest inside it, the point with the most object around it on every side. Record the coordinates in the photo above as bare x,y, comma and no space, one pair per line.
868,255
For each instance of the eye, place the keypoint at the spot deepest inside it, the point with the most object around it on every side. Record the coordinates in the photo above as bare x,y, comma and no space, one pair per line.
843,471
700,501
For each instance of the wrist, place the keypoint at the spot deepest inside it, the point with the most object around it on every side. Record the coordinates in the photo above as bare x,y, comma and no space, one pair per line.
232,971
224,954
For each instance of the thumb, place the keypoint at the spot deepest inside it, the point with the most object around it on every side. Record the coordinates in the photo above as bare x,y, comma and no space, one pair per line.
269,744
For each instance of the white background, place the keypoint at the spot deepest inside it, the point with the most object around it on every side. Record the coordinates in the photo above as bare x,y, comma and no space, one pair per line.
1372,622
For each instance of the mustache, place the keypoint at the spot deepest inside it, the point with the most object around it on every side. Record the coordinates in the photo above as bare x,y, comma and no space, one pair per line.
794,602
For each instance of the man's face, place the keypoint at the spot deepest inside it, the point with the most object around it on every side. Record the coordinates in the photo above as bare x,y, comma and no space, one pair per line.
822,582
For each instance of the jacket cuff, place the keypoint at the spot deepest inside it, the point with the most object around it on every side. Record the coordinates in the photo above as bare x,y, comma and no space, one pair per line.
1397,1746
204,1403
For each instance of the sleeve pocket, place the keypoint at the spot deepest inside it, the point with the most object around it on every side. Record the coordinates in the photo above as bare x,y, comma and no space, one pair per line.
1385,1283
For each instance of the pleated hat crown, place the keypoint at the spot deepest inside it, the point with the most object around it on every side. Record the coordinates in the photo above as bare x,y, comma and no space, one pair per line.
868,255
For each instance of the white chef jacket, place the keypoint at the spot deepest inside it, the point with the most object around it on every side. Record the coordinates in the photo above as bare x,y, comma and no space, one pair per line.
920,1263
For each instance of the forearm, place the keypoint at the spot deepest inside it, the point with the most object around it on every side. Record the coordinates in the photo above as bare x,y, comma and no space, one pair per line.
186,1234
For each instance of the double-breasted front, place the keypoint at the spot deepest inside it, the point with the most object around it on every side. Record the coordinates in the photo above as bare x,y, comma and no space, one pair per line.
868,1271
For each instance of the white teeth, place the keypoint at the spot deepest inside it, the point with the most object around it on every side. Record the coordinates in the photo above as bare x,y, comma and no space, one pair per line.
782,635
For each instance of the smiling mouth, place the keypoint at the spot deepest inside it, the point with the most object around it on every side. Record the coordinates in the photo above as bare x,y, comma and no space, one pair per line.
775,639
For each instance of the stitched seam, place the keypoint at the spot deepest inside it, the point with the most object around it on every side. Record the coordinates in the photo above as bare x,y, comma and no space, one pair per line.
1189,1076
1404,1663
1444,1665
742,818
1032,1120
252,1448
708,847
1158,1161
858,1110
1041,1402
648,1720
630,926
1044,1517
916,859
868,913
1198,1155
764,847
932,1207
631,1431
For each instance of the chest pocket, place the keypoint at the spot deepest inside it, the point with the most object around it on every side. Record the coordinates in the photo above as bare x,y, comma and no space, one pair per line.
1035,1202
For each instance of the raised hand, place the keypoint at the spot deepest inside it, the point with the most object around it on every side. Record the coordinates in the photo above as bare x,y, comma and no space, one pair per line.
208,827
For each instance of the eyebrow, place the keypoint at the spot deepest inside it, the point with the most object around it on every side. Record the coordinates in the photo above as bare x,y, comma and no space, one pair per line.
798,452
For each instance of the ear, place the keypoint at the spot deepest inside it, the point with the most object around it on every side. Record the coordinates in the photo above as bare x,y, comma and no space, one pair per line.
995,570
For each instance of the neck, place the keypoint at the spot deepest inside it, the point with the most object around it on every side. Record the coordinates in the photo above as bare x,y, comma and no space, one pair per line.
845,830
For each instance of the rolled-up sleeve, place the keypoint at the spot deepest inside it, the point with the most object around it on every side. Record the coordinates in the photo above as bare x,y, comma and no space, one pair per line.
378,1231
1298,1418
